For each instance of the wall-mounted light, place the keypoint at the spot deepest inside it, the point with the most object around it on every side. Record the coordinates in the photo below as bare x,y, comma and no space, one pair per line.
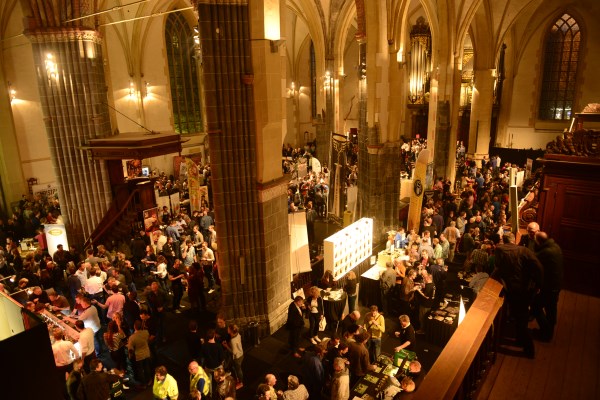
131,89
51,67
147,89
12,93
272,20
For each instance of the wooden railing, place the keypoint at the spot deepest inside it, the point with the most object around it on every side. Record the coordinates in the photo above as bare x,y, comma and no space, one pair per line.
114,214
468,356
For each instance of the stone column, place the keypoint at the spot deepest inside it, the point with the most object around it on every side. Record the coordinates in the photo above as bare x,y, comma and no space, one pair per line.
13,183
481,113
243,102
70,75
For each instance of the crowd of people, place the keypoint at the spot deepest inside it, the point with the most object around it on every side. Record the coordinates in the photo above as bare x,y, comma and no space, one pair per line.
121,325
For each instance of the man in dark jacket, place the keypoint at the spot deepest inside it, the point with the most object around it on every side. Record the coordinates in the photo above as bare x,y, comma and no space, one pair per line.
97,384
295,323
545,303
521,273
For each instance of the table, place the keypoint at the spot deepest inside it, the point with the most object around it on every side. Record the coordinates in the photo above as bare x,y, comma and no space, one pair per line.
334,303
370,293
439,331
374,382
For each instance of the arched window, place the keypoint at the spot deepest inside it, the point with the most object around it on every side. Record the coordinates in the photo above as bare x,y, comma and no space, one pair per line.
182,55
560,69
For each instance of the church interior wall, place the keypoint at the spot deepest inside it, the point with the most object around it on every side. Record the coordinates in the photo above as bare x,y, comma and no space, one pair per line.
523,130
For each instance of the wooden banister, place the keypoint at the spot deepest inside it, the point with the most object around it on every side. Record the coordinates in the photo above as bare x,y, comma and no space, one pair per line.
111,216
447,377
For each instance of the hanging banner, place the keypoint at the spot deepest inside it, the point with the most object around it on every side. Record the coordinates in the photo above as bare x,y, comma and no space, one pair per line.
204,201
193,177
55,234
416,197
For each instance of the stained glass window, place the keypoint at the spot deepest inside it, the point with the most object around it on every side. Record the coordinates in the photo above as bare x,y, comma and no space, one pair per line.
560,69
182,55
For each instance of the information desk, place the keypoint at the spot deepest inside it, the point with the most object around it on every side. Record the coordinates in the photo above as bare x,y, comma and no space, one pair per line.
370,294
334,303
375,382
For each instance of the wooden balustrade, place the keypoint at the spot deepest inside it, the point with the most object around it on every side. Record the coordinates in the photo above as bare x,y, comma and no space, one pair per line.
464,362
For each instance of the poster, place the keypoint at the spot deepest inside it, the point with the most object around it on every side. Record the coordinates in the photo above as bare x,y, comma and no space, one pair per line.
134,168
151,222
179,163
204,202
193,185
55,234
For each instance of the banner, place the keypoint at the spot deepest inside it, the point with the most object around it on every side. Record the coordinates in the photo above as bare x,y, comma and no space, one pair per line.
193,177
204,201
416,197
55,235
151,222
45,191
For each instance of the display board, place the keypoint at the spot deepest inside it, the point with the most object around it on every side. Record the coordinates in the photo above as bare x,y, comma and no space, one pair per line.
55,234
299,251
349,247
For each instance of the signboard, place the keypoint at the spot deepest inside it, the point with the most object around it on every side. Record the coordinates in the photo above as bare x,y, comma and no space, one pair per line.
55,234
193,177
46,191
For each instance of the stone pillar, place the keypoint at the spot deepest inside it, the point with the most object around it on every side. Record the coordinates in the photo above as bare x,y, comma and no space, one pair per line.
13,183
70,75
243,104
481,113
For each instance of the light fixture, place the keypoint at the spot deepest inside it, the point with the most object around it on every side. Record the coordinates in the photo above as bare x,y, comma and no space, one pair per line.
51,67
272,20
11,277
11,92
131,88
147,89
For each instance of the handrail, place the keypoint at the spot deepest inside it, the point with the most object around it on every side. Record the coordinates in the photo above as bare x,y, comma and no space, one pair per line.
449,371
105,225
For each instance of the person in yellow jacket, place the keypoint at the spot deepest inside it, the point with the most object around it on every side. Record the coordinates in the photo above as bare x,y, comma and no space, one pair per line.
199,380
375,325
165,386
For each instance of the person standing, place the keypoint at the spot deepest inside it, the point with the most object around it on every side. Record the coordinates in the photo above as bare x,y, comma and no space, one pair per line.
165,386
340,382
425,299
313,372
375,325
406,334
96,385
207,260
199,380
295,323
176,276
387,282
86,345
521,273
64,354
358,355
139,353
350,289
225,385
314,305
545,304
237,353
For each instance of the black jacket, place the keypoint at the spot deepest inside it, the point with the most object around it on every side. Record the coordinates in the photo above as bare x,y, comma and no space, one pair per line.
551,258
295,319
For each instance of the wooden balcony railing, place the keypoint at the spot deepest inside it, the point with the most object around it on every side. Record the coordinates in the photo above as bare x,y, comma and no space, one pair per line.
468,356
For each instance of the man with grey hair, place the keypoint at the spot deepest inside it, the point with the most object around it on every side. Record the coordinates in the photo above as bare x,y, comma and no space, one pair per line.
340,381
521,273
295,391
529,240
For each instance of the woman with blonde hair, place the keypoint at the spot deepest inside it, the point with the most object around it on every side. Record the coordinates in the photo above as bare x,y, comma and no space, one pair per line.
314,305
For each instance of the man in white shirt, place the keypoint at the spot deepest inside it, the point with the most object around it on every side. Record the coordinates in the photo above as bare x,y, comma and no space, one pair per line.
86,344
64,354
93,285
207,260
81,273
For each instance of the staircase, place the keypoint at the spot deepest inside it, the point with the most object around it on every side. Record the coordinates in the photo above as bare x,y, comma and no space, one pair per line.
124,217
